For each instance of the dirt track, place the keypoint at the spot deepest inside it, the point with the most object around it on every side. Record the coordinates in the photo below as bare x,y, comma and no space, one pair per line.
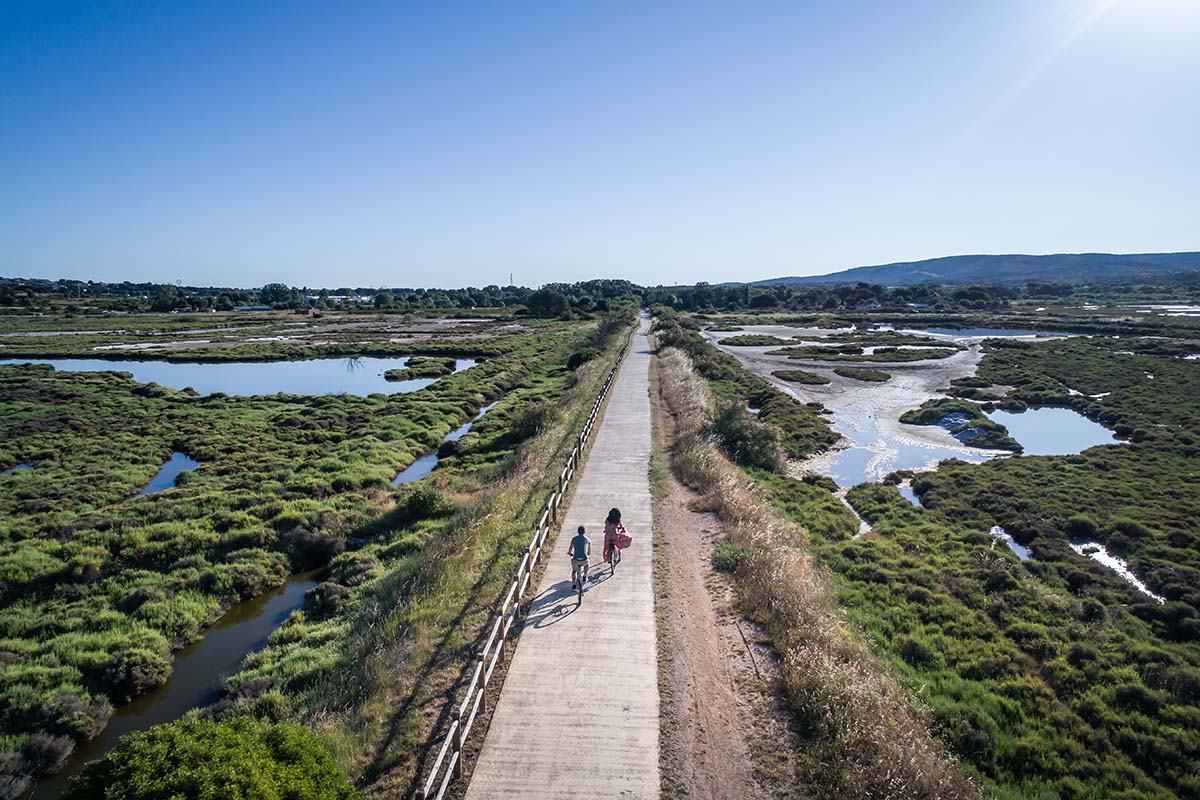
724,735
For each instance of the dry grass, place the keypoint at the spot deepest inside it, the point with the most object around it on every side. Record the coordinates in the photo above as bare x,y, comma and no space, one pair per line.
861,736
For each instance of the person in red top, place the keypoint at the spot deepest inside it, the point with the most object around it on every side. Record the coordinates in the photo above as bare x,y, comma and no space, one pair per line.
612,527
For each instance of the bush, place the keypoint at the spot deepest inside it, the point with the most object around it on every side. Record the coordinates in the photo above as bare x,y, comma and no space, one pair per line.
748,441
581,357
861,374
238,759
727,556
136,670
425,502
46,753
325,598
309,549
1080,526
532,419
917,652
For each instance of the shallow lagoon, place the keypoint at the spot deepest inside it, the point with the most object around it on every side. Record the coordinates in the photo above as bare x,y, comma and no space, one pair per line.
906,491
318,376
872,453
1053,431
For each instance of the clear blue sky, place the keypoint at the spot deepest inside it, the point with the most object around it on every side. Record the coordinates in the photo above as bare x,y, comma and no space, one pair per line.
447,144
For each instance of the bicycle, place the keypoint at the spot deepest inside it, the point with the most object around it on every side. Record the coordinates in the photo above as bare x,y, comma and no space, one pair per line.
580,578
614,558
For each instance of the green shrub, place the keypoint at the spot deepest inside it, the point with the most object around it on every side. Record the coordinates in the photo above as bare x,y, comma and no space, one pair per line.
238,759
534,417
916,651
1080,526
425,502
581,357
753,340
727,556
748,441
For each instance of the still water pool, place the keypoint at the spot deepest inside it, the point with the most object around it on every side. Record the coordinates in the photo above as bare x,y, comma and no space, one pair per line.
1053,431
318,376
170,472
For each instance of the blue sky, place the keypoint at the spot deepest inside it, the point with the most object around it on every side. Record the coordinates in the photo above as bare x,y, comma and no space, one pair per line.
447,144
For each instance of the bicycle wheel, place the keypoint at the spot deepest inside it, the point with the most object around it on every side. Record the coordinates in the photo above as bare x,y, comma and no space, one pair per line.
579,587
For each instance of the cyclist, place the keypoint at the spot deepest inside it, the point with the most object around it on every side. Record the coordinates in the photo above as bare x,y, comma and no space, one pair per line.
612,527
579,550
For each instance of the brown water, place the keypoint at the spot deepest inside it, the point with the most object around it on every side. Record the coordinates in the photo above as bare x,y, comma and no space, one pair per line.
199,671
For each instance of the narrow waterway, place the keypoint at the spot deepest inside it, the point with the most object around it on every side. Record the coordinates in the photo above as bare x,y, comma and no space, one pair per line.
425,464
196,678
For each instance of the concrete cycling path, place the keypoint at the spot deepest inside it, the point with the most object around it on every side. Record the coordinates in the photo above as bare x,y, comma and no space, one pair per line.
578,714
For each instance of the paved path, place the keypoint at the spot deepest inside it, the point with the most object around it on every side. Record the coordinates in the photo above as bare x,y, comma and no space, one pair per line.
578,715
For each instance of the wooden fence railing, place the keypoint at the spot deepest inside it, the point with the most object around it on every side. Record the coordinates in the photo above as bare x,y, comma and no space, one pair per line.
447,766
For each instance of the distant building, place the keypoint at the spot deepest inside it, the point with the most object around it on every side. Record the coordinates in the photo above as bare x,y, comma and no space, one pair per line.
252,308
340,298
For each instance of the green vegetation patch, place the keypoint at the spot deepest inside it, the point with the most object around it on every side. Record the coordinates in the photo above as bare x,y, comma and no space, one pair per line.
862,374
965,421
752,340
801,376
200,758
422,367
803,429
99,586
840,352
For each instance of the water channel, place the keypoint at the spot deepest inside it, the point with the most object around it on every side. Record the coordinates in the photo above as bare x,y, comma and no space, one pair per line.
425,464
196,676
1021,551
317,376
1099,553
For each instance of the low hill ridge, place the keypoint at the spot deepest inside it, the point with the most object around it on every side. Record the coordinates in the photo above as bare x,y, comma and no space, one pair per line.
1010,269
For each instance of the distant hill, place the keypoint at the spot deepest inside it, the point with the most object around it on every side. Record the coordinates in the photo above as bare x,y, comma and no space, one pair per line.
1010,269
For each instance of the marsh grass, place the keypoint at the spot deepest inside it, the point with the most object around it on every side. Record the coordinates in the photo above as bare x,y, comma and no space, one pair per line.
377,676
861,735
800,376
100,586
862,374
